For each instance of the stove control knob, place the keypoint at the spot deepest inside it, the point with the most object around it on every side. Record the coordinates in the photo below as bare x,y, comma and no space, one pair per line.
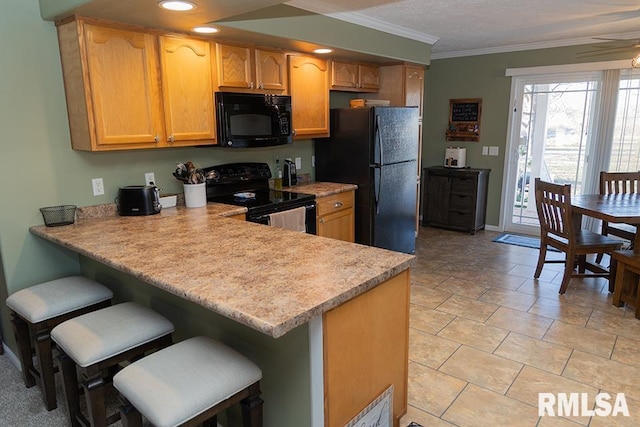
229,143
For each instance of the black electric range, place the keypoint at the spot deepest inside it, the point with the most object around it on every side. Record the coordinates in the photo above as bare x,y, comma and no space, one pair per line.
247,184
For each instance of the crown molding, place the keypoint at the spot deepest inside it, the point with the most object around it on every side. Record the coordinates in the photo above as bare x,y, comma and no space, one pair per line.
360,19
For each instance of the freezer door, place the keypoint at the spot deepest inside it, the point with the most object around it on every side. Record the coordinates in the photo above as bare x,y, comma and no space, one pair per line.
395,134
394,207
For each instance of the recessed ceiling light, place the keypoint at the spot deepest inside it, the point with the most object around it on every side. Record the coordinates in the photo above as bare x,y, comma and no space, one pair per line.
180,6
322,50
206,30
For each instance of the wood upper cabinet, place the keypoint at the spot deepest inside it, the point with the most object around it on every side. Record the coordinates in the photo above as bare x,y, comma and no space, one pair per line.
117,97
187,87
271,70
352,77
336,217
248,69
112,87
309,88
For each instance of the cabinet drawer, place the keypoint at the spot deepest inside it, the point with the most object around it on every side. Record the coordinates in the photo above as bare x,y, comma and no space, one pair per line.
335,202
462,202
463,185
461,219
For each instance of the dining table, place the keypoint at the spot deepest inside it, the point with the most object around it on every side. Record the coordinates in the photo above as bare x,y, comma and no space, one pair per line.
615,208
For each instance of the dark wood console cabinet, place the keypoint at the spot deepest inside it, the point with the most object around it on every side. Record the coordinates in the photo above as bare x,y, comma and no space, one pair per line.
455,198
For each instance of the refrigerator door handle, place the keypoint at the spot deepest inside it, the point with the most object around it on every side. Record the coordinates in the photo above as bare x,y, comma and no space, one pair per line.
378,137
377,184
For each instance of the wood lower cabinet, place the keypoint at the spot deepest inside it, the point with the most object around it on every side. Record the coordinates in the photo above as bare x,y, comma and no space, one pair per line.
455,198
335,217
309,88
247,69
123,92
366,349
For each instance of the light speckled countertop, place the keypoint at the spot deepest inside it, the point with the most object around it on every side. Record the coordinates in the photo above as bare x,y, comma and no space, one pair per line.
269,279
321,189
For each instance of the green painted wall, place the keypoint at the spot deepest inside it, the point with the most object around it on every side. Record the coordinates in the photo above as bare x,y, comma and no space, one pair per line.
483,76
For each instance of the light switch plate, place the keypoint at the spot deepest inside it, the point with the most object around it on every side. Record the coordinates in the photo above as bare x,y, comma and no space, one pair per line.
493,150
485,150
298,163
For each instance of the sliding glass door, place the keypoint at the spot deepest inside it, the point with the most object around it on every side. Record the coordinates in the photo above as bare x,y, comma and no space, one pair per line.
566,128
551,128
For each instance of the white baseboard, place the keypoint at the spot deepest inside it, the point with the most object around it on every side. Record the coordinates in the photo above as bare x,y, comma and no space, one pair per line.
491,228
12,357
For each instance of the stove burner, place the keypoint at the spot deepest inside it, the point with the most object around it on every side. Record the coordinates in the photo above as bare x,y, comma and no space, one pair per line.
245,195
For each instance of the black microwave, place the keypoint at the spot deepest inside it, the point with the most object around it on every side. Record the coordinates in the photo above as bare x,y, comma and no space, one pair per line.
253,120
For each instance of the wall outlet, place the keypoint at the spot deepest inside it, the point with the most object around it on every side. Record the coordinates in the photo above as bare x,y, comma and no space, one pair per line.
313,161
150,178
98,186
298,163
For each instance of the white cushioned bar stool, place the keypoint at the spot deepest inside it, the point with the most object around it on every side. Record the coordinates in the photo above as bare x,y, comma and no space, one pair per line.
97,343
36,310
188,384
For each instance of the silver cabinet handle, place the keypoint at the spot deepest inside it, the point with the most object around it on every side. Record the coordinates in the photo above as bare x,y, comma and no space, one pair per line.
170,138
251,85
156,138
321,220
338,205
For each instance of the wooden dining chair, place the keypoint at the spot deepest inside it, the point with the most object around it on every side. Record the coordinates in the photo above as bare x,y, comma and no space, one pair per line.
557,229
619,183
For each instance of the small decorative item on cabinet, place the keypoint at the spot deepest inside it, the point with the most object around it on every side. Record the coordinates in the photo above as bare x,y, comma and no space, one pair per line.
464,119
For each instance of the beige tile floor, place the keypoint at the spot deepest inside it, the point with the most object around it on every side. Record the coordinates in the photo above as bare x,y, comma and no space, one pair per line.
486,337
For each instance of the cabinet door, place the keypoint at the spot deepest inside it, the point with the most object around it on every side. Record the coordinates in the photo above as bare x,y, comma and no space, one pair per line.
338,225
271,71
344,75
309,88
125,103
234,67
414,87
187,90
436,198
368,77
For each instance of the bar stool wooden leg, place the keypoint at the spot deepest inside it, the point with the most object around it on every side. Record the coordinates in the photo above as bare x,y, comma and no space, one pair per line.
45,358
129,415
94,395
252,407
21,333
72,396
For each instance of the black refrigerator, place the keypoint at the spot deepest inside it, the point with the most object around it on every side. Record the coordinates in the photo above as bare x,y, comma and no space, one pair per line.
375,148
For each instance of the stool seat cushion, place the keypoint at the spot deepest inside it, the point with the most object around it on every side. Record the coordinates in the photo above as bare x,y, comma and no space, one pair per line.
57,297
96,336
179,382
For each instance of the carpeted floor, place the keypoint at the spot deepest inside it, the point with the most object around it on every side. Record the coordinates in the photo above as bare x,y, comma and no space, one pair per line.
21,406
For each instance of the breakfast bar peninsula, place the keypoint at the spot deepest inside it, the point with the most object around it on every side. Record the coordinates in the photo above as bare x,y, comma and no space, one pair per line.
326,320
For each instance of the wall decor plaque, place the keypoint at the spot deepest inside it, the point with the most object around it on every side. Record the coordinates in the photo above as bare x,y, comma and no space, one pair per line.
464,119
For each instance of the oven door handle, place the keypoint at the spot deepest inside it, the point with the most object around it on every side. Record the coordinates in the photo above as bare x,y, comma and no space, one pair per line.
261,217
